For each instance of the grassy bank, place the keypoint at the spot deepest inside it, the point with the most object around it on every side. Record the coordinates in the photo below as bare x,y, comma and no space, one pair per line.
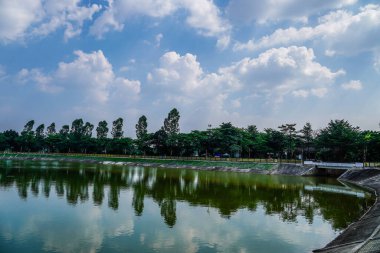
150,160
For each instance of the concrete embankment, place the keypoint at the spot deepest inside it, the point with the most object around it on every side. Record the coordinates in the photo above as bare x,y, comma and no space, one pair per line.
292,170
362,236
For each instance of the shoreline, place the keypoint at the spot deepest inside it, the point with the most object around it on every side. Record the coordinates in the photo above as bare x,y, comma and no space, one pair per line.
275,168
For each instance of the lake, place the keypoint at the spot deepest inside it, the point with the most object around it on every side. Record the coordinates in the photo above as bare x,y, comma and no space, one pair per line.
49,206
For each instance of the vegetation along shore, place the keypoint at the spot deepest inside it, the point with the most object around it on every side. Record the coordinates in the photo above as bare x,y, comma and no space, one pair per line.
339,141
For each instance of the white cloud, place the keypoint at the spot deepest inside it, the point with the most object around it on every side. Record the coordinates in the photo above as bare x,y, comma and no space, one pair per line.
92,71
202,15
124,69
67,14
340,32
42,81
272,77
105,23
264,11
205,16
16,16
352,85
282,71
330,53
182,72
223,42
90,76
301,93
23,19
180,81
319,92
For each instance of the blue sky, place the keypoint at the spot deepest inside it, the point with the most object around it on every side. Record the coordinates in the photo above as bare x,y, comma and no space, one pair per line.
249,62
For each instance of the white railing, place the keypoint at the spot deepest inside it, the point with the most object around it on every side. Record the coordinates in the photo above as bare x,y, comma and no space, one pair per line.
339,165
335,189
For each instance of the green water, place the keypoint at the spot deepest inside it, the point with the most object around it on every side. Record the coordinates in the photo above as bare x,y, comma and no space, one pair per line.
73,207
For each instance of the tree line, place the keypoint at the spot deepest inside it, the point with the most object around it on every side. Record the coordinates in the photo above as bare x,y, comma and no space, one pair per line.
338,141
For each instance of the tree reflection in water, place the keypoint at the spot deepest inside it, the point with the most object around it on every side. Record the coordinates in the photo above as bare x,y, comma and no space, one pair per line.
227,192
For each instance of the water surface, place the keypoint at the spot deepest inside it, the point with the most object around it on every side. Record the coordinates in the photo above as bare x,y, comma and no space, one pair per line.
74,207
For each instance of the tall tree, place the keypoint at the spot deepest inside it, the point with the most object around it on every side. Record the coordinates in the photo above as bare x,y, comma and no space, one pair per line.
86,142
11,138
101,134
63,143
76,135
3,142
339,141
64,130
40,141
275,141
51,129
171,128
27,136
159,140
307,138
87,129
117,128
171,123
40,131
289,131
250,138
252,129
102,130
77,128
28,126
227,138
142,134
141,128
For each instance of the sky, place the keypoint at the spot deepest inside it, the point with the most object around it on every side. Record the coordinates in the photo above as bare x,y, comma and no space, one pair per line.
247,62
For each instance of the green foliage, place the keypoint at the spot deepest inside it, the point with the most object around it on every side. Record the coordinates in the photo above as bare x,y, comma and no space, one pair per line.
171,123
77,128
40,135
227,139
117,128
289,131
275,142
142,135
159,140
11,138
87,129
142,128
339,141
26,139
121,146
307,138
51,129
40,131
171,128
64,130
102,130
28,126
3,142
